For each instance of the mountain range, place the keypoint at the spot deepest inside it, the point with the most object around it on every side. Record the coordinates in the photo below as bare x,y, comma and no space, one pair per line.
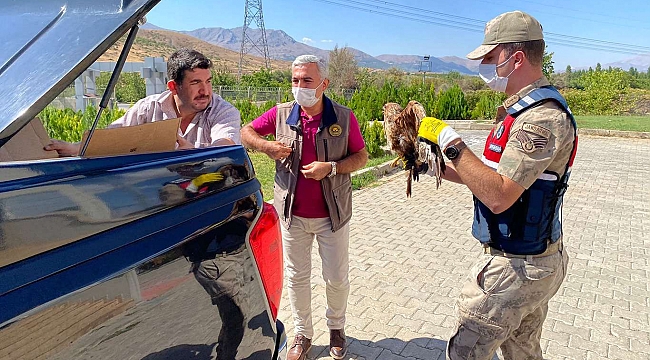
161,43
640,62
283,47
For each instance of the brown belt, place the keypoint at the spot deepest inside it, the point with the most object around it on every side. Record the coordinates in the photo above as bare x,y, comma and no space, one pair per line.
550,250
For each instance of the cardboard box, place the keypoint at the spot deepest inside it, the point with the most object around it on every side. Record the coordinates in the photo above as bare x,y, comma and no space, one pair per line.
28,144
157,136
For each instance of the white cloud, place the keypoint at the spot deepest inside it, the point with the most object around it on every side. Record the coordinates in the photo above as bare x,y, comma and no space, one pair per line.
307,40
327,41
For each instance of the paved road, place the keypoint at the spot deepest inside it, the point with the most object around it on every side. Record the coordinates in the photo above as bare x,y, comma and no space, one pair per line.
409,255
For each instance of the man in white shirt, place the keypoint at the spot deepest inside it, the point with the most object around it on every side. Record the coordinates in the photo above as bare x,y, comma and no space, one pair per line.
206,118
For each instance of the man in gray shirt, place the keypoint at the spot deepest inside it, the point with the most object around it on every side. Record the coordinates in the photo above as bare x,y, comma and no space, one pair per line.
206,118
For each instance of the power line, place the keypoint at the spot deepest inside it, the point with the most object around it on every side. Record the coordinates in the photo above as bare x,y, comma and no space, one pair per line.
621,46
479,22
581,11
416,14
473,29
639,47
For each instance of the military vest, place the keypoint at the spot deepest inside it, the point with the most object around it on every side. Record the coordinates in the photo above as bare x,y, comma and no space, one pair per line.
534,220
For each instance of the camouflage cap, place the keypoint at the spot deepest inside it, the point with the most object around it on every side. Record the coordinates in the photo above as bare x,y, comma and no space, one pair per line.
510,27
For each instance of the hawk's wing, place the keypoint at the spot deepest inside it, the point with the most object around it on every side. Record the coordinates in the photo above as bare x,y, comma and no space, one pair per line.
391,111
401,129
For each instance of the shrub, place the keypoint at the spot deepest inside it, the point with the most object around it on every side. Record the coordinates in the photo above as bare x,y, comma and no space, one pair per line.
130,86
486,107
250,111
373,135
68,125
451,104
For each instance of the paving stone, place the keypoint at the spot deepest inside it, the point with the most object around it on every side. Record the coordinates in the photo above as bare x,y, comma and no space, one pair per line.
408,258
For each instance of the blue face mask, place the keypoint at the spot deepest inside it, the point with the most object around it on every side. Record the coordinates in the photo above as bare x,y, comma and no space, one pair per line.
488,72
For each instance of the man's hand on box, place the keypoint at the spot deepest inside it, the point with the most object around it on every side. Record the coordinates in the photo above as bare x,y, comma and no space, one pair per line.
183,144
64,148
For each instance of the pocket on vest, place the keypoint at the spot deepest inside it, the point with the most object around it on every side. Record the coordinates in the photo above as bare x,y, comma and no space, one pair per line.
343,199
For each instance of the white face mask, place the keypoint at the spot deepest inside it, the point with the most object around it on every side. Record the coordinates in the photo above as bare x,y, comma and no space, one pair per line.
488,72
305,97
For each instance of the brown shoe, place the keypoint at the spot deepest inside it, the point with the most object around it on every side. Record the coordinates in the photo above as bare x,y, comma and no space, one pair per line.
338,345
299,348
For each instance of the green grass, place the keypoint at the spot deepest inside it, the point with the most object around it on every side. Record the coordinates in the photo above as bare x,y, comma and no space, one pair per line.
623,123
265,172
379,160
363,180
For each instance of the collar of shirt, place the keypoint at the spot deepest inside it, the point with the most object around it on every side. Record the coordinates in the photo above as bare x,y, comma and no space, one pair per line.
168,106
535,85
309,119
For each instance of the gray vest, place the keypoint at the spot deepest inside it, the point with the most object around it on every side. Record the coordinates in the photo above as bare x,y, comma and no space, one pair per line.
331,145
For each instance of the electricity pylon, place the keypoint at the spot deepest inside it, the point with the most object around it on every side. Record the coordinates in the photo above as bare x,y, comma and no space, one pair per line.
253,13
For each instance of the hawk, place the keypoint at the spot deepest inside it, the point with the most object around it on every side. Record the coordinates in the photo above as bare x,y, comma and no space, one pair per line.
401,129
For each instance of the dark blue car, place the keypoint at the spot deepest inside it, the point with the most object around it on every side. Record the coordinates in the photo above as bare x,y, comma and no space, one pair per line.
98,255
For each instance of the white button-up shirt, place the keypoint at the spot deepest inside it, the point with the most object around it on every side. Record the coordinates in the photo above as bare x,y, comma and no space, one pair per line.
220,120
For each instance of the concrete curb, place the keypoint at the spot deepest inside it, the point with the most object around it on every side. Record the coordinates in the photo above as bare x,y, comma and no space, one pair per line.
379,170
615,133
471,125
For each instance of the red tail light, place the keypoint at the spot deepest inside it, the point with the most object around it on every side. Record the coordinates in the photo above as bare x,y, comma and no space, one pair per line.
266,244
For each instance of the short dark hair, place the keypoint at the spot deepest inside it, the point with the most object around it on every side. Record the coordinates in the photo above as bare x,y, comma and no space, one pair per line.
185,59
534,50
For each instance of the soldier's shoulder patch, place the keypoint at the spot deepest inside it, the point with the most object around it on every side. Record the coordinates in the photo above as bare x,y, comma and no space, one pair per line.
532,137
511,101
537,130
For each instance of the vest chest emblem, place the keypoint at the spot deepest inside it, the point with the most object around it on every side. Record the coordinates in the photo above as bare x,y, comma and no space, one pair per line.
335,130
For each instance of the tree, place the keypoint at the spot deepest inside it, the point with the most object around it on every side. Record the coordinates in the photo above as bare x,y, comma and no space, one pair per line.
222,76
547,64
598,67
342,69
395,75
452,104
130,87
264,78
568,69
634,72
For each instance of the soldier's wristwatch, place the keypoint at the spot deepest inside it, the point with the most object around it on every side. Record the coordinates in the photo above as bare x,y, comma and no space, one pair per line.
333,172
453,151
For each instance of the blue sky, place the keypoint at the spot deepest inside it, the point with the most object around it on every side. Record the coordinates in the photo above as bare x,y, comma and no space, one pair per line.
323,24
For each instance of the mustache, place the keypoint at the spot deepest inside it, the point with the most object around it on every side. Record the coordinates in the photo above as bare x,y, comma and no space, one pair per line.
201,97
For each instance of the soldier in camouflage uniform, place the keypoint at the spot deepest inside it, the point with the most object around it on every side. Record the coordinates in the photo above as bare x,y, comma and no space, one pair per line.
518,187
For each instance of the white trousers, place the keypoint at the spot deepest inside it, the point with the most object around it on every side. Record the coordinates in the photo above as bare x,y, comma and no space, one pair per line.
333,249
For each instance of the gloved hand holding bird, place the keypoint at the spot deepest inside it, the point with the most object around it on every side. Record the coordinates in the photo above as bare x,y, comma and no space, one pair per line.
415,138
